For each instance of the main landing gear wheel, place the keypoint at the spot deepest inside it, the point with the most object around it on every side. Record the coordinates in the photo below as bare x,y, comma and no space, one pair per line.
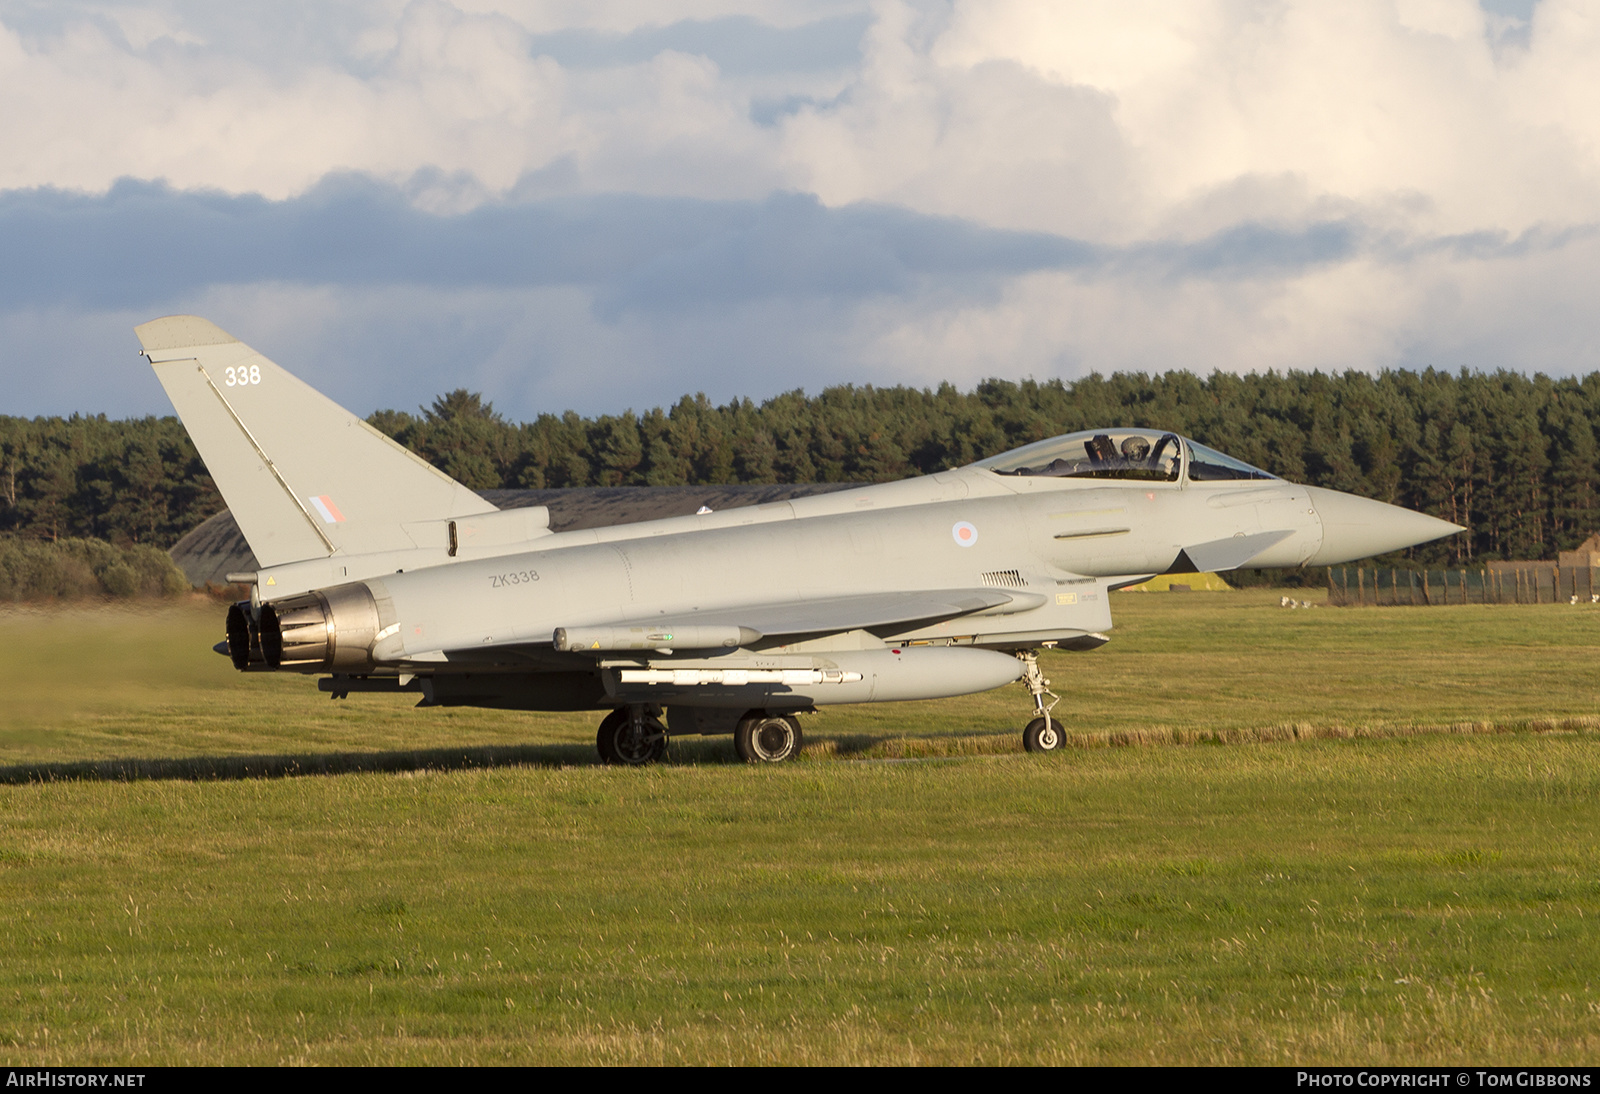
767,738
1042,735
631,738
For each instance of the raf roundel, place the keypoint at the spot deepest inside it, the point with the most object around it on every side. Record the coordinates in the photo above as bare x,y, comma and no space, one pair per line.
964,534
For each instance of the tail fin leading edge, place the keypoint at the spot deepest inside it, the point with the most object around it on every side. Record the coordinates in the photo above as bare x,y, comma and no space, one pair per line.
303,477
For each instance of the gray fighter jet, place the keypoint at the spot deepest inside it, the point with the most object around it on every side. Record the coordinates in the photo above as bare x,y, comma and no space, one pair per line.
381,573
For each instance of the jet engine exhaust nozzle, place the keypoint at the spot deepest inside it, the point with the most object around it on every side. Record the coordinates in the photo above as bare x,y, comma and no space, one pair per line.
329,630
244,640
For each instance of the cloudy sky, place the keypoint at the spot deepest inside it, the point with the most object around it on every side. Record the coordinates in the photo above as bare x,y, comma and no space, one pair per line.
608,203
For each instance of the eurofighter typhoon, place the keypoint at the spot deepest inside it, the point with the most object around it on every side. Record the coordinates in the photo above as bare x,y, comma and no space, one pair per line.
380,573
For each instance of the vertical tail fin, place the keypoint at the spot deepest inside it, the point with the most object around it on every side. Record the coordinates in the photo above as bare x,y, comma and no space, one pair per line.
303,477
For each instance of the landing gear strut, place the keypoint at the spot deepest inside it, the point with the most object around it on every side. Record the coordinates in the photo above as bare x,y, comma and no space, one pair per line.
632,736
1043,734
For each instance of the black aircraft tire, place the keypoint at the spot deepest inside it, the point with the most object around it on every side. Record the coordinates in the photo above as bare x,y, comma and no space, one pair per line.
1042,735
605,742
614,747
767,739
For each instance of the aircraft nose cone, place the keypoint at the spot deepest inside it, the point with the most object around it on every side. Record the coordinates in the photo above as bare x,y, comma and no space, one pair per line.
1355,527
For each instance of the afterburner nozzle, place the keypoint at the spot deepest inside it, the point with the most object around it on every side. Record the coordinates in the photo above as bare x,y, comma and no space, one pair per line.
243,645
326,630
1355,527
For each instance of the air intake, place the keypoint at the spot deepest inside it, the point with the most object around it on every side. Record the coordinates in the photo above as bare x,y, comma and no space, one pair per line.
1003,579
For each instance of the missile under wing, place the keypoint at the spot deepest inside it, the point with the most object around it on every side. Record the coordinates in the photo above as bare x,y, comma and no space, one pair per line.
380,573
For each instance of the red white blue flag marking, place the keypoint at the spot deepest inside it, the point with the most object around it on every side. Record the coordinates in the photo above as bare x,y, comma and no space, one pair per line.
325,507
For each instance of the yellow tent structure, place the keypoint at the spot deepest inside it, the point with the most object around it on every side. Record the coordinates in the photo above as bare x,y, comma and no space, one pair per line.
1209,583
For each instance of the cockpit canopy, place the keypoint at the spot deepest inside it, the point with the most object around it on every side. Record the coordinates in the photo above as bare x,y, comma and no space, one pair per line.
1121,454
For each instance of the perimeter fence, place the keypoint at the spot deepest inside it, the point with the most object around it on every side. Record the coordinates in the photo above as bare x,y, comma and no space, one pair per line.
1369,586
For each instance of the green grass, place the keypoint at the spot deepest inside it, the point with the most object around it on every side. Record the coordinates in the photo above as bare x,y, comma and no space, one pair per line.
86,684
1425,890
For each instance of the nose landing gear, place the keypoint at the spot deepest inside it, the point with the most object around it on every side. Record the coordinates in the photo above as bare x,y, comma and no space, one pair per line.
1043,734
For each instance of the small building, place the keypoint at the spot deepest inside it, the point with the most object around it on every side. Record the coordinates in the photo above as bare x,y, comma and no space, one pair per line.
1569,574
1587,555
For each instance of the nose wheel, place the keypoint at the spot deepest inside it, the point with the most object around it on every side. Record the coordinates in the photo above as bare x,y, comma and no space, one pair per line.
632,737
1043,734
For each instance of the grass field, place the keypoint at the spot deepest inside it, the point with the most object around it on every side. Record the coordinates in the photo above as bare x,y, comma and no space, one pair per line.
1362,835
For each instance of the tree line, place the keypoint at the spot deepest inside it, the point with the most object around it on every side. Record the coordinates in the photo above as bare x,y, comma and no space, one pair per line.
71,569
1512,457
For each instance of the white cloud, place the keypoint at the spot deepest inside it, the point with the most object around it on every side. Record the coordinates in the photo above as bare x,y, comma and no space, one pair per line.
1149,106
1140,128
621,16
533,349
530,350
1530,311
1098,121
433,88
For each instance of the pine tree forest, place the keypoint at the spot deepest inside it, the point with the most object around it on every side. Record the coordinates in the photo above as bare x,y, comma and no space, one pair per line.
1511,457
